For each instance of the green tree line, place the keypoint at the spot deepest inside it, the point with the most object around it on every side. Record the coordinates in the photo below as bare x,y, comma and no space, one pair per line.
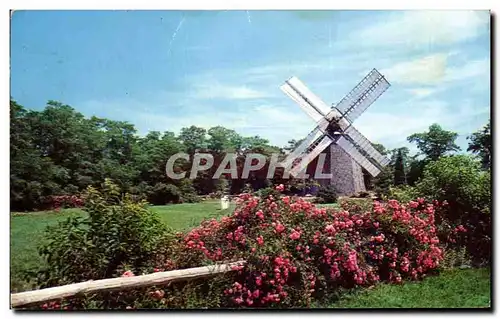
59,151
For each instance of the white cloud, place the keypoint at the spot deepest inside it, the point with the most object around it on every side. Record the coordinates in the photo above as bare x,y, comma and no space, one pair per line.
421,93
475,68
427,70
216,90
432,28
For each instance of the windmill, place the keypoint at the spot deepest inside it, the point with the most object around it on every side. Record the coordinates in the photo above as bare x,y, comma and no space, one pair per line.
349,149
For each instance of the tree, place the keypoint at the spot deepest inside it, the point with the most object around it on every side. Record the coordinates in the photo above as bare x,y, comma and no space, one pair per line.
480,144
223,140
193,138
377,182
435,143
380,148
292,144
399,169
415,169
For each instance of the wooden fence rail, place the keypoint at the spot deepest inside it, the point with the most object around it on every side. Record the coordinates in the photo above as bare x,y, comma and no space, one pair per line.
44,295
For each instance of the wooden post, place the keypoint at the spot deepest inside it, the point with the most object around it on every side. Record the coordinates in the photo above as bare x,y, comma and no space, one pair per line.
121,283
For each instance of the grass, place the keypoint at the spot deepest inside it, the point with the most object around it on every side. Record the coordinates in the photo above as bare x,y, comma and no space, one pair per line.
27,232
456,288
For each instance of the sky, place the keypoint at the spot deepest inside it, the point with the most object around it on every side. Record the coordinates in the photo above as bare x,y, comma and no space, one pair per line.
164,70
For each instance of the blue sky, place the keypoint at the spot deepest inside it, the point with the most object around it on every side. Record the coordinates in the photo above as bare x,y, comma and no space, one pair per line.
163,70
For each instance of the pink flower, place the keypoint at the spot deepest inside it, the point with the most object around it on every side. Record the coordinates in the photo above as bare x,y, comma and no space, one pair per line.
260,240
280,187
294,235
128,273
329,228
279,228
260,214
258,281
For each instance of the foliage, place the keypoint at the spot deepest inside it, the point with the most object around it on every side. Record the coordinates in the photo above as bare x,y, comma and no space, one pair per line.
436,142
118,232
480,144
460,181
415,170
187,192
383,181
27,232
399,169
327,194
363,204
58,151
403,193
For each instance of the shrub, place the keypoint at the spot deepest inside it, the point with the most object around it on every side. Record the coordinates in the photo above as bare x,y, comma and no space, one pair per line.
118,232
142,191
459,181
403,193
296,252
383,181
364,204
187,192
64,201
327,194
164,193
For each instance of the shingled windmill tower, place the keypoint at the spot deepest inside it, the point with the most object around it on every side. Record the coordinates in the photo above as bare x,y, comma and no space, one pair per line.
346,148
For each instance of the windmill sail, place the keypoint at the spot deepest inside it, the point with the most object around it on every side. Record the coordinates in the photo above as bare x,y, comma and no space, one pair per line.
362,142
350,149
363,95
311,154
309,141
308,101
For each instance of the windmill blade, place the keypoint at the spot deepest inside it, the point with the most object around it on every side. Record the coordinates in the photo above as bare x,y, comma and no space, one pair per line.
308,101
350,149
363,95
312,153
362,142
303,146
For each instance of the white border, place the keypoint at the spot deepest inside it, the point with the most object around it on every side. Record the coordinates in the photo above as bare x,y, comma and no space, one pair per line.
204,5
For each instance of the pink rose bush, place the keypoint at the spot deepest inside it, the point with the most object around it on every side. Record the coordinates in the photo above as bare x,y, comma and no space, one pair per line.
296,252
64,201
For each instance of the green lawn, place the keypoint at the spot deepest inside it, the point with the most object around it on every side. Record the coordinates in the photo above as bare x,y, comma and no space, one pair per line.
27,231
458,288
